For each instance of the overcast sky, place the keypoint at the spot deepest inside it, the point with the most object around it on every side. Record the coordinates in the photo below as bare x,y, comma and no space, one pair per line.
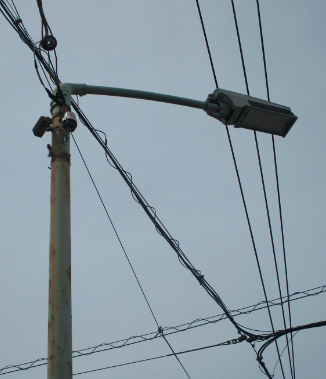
181,162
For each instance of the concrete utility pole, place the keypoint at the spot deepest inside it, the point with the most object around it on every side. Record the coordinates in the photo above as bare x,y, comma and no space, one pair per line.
60,333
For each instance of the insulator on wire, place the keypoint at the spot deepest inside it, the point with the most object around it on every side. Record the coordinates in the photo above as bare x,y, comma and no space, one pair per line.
49,43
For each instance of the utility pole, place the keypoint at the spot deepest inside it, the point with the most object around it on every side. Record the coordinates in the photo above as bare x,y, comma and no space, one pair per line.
228,107
60,331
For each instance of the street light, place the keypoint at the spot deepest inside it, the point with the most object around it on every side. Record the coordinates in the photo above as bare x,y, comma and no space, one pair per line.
230,108
248,112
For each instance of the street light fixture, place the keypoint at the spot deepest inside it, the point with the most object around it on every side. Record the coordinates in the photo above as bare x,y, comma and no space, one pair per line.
248,112
230,108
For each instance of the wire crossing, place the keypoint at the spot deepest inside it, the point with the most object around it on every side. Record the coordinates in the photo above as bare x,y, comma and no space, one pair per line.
235,163
126,255
11,14
86,352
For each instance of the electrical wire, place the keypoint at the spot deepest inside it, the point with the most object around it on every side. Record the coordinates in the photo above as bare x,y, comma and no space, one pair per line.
266,205
286,345
234,159
167,331
277,183
127,257
26,39
206,41
17,24
45,25
226,343
53,75
150,211
281,333
274,254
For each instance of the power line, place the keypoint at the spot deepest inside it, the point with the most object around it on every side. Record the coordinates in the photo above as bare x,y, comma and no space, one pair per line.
281,333
129,262
206,41
277,183
231,146
233,155
269,339
54,77
226,343
115,231
274,254
150,211
286,345
167,330
266,205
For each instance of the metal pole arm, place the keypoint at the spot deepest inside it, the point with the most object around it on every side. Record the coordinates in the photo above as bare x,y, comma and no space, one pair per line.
230,108
69,89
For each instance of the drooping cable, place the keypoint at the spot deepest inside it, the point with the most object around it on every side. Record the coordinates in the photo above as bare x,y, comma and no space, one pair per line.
281,333
127,257
151,213
277,185
266,205
286,345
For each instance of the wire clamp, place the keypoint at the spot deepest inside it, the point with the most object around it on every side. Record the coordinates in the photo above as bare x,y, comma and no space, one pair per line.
58,98
200,277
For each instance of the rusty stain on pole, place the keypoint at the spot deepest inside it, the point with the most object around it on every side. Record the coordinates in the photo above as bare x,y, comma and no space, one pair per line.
60,331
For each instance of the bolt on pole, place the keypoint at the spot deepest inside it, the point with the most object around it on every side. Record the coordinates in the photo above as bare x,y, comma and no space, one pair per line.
60,330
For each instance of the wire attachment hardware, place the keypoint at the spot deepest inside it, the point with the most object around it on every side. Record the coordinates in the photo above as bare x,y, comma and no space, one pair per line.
49,43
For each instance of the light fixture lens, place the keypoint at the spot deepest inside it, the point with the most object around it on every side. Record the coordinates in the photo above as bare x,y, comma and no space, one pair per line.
266,121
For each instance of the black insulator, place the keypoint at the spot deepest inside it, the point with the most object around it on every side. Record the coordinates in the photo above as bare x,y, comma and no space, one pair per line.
49,43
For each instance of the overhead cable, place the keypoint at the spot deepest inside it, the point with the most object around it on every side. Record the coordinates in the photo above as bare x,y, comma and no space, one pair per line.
277,183
160,330
267,210
206,41
150,211
281,333
199,322
232,151
54,77
226,343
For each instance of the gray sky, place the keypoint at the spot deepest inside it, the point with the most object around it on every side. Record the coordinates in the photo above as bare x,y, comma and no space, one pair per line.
181,162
